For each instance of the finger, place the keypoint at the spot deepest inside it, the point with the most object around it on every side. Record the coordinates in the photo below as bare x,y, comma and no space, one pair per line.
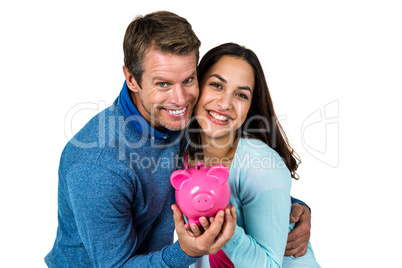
231,215
195,229
204,223
177,214
296,212
296,251
301,229
188,230
227,220
297,243
301,252
215,226
178,219
234,213
229,224
228,228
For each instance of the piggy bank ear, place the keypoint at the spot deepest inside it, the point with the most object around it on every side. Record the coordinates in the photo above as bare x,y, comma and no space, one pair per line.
221,172
178,177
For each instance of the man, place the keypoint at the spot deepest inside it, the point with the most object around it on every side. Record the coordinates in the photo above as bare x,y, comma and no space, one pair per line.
114,191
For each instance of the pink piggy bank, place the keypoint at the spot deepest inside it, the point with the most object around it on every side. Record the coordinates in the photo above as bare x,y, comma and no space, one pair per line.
201,190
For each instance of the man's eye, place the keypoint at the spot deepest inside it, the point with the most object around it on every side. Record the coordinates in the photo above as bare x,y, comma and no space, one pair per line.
188,80
162,84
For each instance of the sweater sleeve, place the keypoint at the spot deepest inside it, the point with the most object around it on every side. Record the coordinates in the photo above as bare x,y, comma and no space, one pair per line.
295,200
101,203
264,194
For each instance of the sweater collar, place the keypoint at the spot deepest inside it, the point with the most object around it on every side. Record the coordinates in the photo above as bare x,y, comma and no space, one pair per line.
137,120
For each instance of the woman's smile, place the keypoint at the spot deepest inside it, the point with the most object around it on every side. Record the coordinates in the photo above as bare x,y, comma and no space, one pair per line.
218,117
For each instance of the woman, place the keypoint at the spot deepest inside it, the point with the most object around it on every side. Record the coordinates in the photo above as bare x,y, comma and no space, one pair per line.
237,127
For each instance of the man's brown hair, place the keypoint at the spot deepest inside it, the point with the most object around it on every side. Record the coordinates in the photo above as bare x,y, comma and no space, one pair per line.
165,31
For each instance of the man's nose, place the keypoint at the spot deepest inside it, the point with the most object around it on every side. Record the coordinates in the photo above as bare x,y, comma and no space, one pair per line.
178,96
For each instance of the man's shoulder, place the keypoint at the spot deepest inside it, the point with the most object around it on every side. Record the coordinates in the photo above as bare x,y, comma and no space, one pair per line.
96,138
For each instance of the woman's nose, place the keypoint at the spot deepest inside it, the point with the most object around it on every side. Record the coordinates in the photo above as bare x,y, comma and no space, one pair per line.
225,102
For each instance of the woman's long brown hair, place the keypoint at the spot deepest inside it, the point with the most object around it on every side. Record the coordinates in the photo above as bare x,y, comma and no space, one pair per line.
261,122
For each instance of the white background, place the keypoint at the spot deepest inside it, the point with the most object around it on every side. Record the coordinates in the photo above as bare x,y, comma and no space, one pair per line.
345,55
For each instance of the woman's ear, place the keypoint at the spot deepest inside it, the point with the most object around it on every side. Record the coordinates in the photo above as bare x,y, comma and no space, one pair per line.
130,80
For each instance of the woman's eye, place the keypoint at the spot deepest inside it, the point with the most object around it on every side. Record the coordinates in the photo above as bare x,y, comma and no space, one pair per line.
216,85
241,95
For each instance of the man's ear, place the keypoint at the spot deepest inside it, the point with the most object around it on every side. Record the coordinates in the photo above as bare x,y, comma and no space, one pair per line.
130,80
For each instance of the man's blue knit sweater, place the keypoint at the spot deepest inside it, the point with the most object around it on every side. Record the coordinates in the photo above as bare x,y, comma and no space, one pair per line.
114,194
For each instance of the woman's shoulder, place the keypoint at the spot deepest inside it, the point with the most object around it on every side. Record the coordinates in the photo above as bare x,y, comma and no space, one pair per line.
253,155
258,168
256,147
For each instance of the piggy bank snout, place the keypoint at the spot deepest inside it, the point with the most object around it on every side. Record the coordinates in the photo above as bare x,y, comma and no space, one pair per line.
203,202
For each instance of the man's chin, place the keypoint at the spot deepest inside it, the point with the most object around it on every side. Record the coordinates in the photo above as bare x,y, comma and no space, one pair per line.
172,126
176,127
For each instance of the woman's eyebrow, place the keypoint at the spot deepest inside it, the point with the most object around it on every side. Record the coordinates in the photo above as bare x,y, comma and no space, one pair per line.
224,81
245,88
219,77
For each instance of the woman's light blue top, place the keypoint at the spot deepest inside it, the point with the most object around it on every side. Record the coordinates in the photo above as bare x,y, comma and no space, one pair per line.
260,186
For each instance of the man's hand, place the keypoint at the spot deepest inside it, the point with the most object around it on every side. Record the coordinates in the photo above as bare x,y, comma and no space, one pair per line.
217,233
300,235
195,231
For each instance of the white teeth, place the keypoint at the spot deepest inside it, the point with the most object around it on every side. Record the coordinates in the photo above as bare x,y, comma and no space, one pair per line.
177,111
218,116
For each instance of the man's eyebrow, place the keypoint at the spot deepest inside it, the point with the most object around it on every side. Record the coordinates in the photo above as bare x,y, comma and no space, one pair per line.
160,78
191,75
